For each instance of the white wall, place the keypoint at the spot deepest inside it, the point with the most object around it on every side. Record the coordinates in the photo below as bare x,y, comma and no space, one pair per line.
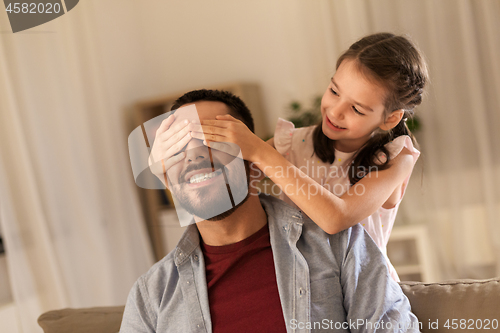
159,47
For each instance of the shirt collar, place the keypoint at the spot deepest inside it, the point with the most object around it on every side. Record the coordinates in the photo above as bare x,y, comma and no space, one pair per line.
281,217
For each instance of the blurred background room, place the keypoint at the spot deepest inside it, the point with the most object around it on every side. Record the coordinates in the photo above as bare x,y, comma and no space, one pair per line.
77,231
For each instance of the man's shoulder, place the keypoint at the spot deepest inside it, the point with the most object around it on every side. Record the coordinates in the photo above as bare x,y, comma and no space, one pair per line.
283,213
162,272
166,268
278,211
148,292
284,217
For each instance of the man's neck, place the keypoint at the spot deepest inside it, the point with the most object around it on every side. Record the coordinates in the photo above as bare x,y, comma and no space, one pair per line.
246,220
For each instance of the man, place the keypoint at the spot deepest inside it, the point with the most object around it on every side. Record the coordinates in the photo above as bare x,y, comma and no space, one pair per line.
259,266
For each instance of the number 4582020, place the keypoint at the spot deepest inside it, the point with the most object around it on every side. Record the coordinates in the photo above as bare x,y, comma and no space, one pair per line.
471,324
33,8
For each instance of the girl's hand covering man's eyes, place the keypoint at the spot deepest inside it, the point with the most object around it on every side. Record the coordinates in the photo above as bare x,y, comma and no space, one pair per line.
167,146
229,135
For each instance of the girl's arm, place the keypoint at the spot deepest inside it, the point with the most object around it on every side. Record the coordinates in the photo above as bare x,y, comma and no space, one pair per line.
271,142
330,212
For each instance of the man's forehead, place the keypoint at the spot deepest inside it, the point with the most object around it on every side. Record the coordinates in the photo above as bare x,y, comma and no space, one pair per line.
205,110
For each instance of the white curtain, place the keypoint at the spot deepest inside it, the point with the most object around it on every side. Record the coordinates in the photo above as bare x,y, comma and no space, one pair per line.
73,230
458,195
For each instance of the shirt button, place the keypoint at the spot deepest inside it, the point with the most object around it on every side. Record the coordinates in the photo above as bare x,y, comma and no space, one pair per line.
195,257
301,291
198,325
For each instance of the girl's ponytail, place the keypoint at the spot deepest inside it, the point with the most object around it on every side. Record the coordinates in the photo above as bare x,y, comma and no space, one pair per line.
402,129
368,159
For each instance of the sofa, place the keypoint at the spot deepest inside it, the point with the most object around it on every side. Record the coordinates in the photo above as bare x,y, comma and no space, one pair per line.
452,306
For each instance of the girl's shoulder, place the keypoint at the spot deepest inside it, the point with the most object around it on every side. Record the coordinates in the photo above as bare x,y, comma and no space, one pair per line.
286,136
396,146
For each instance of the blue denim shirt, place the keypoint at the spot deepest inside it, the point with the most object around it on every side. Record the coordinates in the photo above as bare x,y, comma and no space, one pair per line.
326,283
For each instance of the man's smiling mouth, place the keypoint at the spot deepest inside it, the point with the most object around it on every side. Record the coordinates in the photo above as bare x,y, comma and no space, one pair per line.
202,174
201,177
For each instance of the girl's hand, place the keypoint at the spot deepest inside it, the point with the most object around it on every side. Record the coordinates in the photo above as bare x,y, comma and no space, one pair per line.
169,141
220,133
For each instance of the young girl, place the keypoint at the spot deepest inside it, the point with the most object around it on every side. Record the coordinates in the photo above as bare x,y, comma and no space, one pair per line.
354,166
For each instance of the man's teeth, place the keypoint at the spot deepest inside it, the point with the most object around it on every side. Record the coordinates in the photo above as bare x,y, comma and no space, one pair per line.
201,177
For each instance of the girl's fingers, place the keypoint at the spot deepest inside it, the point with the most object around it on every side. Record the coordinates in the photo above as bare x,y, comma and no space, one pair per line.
198,135
170,132
170,155
175,148
195,127
173,137
213,137
165,124
222,123
164,150
229,118
209,137
226,116
210,129
231,149
161,167
174,160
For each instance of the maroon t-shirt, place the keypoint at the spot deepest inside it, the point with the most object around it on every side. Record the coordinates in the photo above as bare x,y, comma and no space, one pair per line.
242,289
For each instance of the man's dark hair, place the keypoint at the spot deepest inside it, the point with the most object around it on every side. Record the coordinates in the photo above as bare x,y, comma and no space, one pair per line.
237,108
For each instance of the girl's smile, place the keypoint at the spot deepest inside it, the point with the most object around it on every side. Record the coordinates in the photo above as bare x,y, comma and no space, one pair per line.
333,126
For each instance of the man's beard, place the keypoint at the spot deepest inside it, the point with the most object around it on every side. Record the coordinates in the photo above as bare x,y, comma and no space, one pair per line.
219,200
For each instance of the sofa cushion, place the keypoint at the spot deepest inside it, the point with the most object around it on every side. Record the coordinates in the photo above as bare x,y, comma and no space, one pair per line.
88,320
470,302
432,303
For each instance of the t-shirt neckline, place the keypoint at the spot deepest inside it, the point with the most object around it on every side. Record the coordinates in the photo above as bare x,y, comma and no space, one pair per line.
235,246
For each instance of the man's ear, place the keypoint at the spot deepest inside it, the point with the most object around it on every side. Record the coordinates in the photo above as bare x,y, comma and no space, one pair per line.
393,119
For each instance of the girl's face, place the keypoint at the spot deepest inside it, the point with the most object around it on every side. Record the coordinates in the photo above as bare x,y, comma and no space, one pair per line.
352,107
